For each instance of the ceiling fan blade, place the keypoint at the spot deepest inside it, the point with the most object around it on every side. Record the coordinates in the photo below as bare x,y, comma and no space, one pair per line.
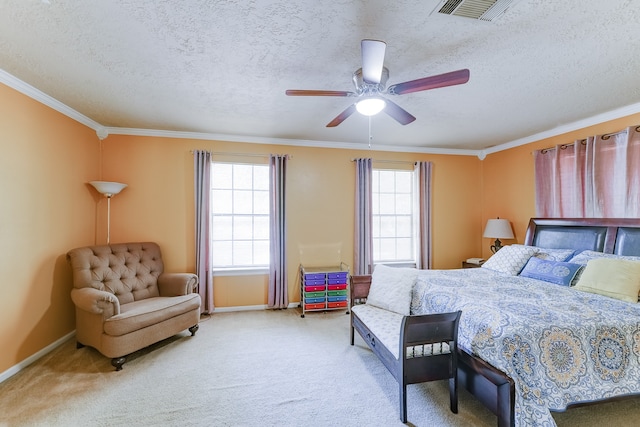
372,59
296,92
441,80
398,113
342,116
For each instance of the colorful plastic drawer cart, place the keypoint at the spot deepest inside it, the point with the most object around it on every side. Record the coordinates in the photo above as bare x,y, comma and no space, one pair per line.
324,288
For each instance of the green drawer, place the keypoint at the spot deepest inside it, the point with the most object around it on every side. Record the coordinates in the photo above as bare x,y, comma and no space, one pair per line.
314,294
337,293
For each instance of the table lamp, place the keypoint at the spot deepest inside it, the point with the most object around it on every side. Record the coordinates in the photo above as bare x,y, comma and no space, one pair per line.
498,229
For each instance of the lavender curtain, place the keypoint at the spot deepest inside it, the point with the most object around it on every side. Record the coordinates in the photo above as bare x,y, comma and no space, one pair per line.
202,186
423,173
363,236
598,177
278,287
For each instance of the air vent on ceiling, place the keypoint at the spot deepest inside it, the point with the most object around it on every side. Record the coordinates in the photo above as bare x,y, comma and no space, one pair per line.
484,10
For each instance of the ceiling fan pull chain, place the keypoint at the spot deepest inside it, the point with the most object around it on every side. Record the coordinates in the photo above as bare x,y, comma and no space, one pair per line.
370,136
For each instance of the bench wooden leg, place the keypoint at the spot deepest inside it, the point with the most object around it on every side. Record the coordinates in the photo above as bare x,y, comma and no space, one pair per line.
453,393
351,328
402,391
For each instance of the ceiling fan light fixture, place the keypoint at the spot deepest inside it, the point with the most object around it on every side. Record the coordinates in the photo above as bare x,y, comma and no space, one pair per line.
370,106
370,83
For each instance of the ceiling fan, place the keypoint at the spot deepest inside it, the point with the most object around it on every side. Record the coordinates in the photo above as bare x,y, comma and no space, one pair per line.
370,81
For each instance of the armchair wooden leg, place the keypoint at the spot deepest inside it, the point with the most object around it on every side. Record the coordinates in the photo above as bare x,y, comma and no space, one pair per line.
193,329
117,362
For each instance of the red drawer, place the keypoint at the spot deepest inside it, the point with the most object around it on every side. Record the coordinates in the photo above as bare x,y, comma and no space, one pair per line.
319,306
337,287
336,304
314,288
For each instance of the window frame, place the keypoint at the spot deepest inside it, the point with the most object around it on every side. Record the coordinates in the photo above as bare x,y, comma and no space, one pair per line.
414,209
230,212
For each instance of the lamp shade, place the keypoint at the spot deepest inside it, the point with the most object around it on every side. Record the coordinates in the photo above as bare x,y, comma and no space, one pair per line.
498,229
108,188
370,106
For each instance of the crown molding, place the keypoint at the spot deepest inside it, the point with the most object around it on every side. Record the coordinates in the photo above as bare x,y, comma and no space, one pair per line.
284,141
25,88
568,127
104,131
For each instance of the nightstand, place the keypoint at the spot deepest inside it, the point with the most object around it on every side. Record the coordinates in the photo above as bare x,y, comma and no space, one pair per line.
466,264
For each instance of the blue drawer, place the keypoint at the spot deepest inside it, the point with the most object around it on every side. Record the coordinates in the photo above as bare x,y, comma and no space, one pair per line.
338,298
314,300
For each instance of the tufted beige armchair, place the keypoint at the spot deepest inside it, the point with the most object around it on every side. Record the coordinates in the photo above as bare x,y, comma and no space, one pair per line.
124,302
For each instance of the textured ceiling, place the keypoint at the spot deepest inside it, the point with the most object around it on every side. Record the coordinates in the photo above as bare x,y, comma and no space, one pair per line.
222,67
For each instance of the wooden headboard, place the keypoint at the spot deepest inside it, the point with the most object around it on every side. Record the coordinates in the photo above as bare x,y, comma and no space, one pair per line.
620,236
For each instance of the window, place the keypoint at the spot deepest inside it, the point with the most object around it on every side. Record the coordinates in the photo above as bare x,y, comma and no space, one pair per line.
240,215
394,216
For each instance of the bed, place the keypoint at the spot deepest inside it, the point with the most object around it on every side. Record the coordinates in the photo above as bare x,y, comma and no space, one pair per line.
527,346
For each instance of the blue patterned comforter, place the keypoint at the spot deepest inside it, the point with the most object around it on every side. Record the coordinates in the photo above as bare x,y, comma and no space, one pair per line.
559,345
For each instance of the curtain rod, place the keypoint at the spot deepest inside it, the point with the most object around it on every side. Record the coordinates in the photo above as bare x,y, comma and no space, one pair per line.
604,137
388,161
222,153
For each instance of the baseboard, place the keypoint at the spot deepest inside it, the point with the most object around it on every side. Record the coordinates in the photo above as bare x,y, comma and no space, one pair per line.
29,360
250,307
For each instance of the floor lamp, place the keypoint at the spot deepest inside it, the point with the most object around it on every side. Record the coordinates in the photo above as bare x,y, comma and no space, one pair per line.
108,189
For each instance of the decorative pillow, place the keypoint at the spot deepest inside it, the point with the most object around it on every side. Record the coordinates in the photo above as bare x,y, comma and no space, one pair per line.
391,288
615,278
585,256
560,273
510,259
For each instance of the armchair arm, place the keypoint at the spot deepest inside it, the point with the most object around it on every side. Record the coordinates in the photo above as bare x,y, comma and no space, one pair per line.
96,301
174,284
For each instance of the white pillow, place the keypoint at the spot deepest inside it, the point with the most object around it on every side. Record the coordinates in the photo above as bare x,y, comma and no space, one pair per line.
585,256
560,255
391,288
510,259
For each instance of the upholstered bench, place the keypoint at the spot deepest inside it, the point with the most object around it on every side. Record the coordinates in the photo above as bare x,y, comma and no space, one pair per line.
414,349
385,327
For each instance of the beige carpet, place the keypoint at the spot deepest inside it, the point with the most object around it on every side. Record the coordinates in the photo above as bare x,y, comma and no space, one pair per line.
259,368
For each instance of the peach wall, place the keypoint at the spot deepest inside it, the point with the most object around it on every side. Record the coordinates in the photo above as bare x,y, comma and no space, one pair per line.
508,178
158,204
47,209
